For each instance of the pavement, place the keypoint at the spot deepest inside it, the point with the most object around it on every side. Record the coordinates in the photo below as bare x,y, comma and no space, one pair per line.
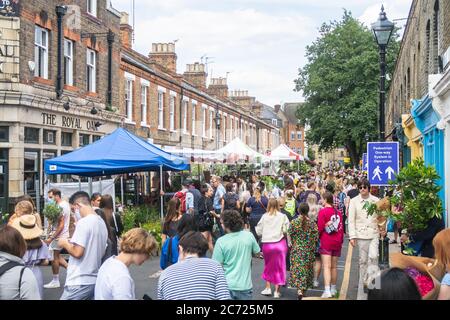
146,278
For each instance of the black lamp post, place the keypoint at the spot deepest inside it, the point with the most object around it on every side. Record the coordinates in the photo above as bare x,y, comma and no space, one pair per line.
382,30
217,120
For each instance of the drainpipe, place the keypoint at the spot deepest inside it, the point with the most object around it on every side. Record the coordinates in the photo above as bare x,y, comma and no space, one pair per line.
110,39
60,12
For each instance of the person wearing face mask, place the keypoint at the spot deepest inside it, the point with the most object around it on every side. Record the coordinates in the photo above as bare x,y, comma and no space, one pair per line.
114,281
62,232
87,247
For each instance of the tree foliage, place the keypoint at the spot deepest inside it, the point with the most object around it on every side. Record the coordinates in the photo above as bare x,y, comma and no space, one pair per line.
340,83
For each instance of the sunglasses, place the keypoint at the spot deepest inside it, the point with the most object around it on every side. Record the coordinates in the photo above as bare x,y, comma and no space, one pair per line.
363,187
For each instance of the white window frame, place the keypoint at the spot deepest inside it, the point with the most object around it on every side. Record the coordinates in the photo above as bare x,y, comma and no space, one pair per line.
301,135
274,122
68,62
293,135
172,103
185,114
161,94
91,7
225,119
144,105
41,51
91,67
129,99
194,107
204,107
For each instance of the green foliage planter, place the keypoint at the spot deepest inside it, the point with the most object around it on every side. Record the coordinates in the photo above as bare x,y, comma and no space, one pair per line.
416,198
144,217
52,211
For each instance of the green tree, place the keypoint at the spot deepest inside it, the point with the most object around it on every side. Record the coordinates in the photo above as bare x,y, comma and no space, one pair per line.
311,154
340,83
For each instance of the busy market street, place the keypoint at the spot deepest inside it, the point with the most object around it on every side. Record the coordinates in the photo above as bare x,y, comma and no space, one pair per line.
231,157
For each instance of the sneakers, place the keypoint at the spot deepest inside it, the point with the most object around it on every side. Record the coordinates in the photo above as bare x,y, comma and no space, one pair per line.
277,295
52,285
266,292
316,284
333,292
326,295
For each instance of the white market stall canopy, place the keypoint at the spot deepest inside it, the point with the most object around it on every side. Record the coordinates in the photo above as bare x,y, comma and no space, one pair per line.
238,151
284,153
234,152
196,155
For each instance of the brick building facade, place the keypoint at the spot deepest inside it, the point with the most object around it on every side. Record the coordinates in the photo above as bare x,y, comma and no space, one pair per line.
37,121
418,102
180,110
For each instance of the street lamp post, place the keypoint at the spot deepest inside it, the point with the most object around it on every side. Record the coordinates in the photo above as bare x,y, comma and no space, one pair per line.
382,30
217,120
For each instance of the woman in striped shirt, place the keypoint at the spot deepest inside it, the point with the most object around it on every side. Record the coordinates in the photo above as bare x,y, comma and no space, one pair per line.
206,280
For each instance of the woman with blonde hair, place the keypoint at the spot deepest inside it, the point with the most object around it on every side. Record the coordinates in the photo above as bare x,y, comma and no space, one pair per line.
22,208
114,281
273,227
27,197
313,215
441,244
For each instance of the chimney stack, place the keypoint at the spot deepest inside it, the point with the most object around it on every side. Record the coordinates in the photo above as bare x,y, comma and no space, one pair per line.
277,108
163,54
218,87
242,98
126,31
196,75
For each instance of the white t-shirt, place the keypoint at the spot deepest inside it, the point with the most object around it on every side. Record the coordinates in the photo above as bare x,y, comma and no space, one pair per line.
91,234
114,281
66,214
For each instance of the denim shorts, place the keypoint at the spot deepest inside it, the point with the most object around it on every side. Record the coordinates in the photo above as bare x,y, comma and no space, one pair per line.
241,295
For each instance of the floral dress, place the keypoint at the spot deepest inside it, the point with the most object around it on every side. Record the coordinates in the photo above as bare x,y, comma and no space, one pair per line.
303,250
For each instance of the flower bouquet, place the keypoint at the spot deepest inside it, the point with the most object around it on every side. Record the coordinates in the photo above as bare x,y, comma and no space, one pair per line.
426,272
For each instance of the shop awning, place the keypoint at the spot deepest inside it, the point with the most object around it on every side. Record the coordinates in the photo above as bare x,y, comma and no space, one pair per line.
119,152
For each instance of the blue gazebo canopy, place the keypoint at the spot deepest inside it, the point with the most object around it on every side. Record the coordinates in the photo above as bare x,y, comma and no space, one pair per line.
119,152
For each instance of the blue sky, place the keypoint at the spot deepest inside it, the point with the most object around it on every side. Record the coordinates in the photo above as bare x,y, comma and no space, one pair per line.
260,43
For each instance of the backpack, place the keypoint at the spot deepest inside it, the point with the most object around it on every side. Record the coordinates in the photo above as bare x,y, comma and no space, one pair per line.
8,266
290,206
182,196
229,201
169,252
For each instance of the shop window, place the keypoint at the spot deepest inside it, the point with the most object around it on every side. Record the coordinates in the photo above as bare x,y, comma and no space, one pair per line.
49,137
66,139
84,139
96,138
31,135
31,171
49,155
4,134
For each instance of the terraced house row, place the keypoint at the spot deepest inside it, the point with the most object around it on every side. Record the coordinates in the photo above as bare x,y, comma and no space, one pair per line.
69,75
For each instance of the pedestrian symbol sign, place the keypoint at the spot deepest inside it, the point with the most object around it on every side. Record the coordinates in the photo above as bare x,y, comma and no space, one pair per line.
364,161
382,162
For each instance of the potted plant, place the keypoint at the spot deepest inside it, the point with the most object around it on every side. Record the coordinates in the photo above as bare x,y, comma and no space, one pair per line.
415,200
52,211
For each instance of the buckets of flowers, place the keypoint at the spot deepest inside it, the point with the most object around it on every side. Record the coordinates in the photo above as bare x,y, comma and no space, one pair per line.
426,272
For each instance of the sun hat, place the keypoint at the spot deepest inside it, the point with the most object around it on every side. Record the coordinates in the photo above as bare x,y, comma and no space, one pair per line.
27,226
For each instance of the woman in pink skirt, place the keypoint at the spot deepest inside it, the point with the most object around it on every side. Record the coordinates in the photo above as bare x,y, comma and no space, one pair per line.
273,228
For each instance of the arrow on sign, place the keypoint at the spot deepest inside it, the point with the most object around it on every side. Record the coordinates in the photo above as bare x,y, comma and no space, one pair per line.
389,171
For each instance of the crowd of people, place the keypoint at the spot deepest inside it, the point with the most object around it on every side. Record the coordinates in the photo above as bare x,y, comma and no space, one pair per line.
211,232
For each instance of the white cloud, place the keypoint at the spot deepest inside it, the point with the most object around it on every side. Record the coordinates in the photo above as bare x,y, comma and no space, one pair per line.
261,42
